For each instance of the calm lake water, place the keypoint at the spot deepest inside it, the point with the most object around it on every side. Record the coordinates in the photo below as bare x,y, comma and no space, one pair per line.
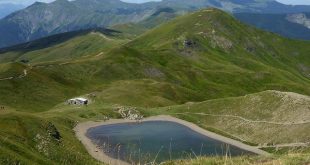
156,141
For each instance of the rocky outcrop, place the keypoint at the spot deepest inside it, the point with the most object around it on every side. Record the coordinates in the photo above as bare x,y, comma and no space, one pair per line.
153,73
217,40
52,131
299,18
46,139
129,113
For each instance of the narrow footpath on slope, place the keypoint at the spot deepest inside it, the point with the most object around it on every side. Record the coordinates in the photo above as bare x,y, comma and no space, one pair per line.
24,74
248,120
297,144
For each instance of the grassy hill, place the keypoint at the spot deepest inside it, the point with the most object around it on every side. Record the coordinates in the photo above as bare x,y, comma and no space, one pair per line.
66,46
266,118
198,65
205,49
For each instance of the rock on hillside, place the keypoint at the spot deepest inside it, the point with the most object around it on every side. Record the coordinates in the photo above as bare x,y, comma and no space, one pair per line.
300,18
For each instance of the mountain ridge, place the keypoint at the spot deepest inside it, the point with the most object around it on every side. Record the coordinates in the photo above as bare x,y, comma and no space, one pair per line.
278,23
54,39
42,19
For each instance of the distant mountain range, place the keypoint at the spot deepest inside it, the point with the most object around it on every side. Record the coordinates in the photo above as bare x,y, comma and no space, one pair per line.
290,25
42,19
8,8
237,6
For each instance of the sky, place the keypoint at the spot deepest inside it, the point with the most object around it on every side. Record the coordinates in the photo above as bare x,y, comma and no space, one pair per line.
27,2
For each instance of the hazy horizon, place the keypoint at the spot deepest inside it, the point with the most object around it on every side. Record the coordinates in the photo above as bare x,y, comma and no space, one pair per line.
28,2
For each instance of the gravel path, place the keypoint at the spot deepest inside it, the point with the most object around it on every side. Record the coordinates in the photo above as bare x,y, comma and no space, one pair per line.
247,120
287,145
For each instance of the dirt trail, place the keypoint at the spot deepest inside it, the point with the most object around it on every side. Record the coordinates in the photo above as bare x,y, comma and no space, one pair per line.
248,120
297,144
101,35
8,78
286,145
24,74
26,71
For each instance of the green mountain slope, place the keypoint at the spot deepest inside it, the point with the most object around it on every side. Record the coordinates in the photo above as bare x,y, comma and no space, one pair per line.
37,139
207,52
64,46
79,65
212,52
40,74
198,65
267,118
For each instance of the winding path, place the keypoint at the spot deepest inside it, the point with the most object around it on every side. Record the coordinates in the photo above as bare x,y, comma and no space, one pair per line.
298,144
248,120
286,145
24,74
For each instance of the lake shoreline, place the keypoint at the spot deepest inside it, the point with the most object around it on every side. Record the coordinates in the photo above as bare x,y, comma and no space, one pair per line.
98,154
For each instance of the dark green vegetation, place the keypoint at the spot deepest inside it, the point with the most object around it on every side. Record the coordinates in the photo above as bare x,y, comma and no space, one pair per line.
42,19
206,55
28,139
283,24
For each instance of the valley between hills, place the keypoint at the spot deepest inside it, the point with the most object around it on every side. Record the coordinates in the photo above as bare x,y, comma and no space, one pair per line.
204,67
